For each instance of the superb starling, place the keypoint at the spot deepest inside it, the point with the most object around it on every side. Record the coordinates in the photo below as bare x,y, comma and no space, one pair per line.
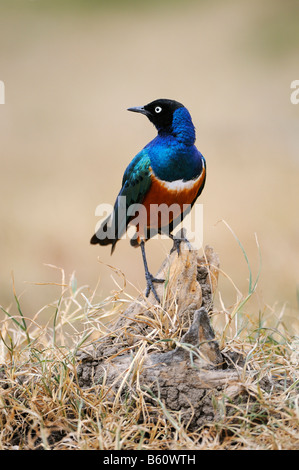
169,170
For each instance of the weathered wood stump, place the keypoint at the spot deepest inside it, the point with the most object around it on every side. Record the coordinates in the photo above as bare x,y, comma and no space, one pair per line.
169,349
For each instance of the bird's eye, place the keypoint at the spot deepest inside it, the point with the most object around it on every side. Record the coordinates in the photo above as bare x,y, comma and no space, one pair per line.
158,109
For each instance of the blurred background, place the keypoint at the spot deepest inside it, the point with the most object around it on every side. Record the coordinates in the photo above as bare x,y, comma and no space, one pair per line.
72,68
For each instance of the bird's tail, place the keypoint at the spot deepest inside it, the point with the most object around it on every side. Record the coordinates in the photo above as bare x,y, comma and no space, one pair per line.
104,235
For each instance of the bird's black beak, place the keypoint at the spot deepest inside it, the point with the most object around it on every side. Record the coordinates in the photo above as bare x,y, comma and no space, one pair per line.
139,109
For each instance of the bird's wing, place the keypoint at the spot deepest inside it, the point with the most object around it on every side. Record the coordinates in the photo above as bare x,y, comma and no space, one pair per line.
135,184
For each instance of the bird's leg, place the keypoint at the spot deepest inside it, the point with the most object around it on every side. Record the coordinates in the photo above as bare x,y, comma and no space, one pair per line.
178,239
150,279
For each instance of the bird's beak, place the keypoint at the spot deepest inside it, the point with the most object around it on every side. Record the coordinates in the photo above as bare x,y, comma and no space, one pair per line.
139,109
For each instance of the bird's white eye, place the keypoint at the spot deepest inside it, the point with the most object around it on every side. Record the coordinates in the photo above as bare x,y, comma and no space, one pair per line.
158,109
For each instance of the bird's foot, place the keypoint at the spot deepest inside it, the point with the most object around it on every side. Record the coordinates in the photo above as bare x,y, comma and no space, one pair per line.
179,238
150,279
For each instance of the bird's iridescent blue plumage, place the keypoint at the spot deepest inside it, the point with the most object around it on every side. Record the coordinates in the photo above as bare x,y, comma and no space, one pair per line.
173,156
170,156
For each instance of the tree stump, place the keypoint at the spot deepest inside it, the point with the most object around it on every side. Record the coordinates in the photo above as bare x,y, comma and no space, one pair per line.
168,350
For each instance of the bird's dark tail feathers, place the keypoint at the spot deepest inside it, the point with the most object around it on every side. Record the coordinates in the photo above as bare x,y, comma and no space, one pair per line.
102,237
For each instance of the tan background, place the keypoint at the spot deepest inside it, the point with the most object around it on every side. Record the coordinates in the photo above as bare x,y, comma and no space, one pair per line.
72,68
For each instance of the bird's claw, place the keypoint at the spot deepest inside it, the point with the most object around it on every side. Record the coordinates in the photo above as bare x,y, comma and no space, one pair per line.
150,279
177,240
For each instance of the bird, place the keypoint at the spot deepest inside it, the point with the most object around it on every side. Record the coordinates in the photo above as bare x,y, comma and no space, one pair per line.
169,170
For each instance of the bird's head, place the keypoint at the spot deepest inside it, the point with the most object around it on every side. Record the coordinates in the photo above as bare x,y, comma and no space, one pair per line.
169,117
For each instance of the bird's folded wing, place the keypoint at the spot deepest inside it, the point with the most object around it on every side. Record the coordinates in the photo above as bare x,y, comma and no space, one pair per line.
136,183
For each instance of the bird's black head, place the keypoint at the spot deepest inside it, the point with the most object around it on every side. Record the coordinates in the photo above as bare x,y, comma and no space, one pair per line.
159,112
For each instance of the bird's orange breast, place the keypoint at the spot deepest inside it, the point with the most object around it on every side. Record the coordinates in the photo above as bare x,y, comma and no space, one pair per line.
164,195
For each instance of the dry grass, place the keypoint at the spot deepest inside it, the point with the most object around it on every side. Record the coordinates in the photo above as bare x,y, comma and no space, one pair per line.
69,77
43,406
